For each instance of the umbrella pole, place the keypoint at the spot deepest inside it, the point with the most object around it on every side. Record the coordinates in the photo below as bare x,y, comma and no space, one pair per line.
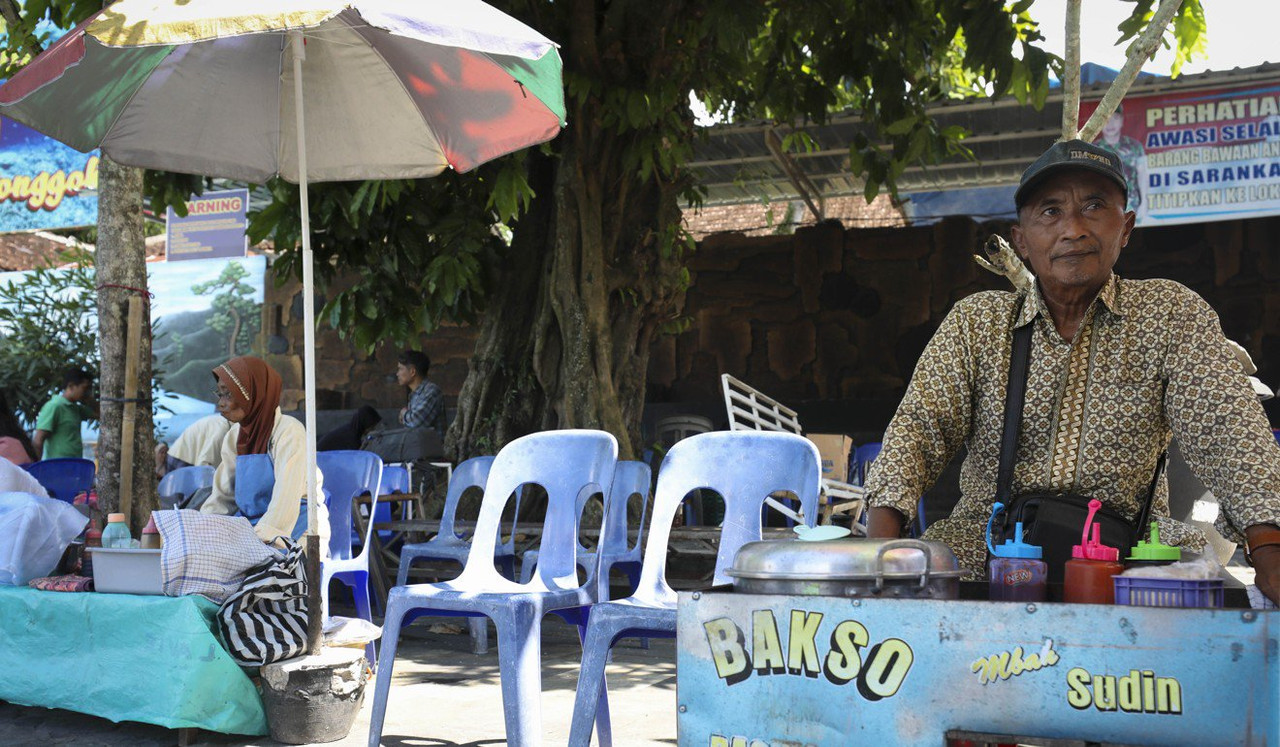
316,613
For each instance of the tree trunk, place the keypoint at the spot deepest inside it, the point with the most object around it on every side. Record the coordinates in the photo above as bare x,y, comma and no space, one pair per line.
122,273
586,287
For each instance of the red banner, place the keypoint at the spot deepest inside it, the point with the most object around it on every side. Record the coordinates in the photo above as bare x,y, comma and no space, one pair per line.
1199,156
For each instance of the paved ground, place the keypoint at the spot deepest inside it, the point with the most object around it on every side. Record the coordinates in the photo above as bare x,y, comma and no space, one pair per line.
443,696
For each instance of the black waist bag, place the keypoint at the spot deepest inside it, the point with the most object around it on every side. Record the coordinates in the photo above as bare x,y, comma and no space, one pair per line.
1055,522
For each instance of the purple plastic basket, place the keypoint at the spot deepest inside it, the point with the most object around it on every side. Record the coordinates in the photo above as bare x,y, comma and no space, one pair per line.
1168,592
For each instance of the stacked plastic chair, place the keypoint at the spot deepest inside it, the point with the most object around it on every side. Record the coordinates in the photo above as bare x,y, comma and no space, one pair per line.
65,477
571,465
347,476
744,467
449,545
629,479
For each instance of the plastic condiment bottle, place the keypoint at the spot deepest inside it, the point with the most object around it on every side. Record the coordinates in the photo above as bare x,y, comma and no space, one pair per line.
1016,571
1152,552
1088,573
116,535
151,535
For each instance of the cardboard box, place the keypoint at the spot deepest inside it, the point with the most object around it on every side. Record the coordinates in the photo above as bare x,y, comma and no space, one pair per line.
834,448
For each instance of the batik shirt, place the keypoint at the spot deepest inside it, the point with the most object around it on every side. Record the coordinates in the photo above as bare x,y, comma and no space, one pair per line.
1148,361
426,408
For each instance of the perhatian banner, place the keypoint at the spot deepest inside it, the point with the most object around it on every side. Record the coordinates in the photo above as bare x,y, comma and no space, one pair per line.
43,183
1199,156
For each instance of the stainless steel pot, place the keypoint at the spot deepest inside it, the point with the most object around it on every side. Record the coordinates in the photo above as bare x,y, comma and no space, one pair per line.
848,568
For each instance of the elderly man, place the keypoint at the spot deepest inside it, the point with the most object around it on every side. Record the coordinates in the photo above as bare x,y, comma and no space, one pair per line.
1116,367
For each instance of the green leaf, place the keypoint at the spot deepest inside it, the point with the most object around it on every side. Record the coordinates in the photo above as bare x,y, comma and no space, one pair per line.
902,126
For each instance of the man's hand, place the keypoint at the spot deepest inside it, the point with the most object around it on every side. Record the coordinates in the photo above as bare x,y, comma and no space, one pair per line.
885,523
162,451
1266,562
1264,554
403,411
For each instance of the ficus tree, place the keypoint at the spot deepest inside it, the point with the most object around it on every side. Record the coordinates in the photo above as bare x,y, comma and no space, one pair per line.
571,256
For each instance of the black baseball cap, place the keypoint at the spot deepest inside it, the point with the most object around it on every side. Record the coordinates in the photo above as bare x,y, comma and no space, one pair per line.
1070,154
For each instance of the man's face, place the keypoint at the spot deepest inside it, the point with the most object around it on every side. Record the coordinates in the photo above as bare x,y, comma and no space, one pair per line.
1071,229
405,374
77,392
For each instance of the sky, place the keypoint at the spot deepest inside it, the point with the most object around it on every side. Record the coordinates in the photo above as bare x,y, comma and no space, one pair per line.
1241,33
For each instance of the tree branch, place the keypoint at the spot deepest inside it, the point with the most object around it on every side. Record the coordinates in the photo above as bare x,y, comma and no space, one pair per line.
1071,74
13,19
1139,51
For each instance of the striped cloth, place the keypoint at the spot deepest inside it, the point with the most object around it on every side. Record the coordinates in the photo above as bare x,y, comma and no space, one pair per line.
266,620
207,554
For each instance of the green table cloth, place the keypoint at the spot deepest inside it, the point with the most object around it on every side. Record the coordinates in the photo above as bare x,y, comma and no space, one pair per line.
153,659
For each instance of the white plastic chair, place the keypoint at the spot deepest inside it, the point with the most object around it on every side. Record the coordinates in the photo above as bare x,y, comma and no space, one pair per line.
629,479
571,465
186,480
744,467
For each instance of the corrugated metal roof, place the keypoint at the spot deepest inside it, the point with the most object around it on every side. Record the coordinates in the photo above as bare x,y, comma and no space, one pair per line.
736,166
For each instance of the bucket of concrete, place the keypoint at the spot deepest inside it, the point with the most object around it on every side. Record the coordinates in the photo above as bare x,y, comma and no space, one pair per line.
314,698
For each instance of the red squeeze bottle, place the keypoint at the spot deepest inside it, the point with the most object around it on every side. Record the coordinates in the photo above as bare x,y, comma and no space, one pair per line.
1088,573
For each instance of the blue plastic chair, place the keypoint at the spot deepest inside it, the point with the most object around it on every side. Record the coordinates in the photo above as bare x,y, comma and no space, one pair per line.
629,479
186,480
744,467
866,454
395,479
347,476
449,545
65,477
571,465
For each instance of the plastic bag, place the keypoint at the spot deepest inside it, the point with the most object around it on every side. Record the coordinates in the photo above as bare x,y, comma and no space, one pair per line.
349,631
34,532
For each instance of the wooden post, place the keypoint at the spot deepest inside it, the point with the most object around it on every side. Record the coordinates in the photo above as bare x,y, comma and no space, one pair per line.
133,343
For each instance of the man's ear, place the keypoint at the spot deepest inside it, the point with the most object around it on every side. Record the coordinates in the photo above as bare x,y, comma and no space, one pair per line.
1130,220
1015,233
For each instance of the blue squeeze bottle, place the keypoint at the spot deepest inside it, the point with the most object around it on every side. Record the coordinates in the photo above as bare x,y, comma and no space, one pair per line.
1016,571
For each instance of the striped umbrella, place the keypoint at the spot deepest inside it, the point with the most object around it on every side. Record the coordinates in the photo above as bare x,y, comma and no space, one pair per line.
389,89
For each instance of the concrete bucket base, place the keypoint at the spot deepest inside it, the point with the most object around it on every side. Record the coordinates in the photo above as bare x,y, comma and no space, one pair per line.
316,698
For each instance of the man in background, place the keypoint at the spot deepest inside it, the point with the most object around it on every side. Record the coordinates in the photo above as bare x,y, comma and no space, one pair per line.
58,425
426,401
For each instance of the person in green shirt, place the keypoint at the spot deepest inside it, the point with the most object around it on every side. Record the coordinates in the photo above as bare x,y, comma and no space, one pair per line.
58,425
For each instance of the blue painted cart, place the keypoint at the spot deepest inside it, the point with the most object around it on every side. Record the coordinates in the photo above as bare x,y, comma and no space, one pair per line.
781,670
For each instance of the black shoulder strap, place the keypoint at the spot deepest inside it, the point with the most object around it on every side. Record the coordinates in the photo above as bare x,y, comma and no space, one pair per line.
1144,516
1019,361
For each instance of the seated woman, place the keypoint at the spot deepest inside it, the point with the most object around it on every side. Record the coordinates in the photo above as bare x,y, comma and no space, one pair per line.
15,445
262,475
200,444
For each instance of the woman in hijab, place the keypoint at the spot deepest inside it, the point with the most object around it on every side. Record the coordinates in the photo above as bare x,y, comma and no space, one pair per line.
348,437
263,471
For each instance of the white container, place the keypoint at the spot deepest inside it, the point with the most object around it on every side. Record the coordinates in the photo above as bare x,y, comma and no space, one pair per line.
126,571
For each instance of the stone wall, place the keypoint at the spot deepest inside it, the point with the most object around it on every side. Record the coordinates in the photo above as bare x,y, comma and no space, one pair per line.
345,377
829,320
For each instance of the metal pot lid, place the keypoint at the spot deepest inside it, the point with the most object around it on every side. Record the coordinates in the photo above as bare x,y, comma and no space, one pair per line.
854,559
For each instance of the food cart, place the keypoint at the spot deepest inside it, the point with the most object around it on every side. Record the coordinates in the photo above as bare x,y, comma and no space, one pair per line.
793,669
